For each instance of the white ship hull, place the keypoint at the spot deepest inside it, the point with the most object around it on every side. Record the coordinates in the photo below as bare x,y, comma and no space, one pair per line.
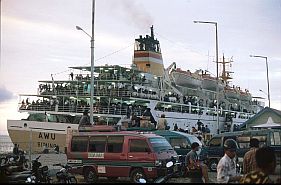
35,135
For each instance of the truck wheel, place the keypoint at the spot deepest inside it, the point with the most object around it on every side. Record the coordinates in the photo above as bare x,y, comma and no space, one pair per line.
90,175
136,174
213,165
72,180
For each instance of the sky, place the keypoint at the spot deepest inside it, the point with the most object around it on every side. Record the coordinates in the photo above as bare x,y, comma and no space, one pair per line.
38,38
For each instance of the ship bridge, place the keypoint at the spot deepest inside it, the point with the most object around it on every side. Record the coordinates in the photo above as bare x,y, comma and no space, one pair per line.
147,55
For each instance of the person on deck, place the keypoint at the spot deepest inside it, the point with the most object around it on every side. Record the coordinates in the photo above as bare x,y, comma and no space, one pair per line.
149,114
85,120
162,123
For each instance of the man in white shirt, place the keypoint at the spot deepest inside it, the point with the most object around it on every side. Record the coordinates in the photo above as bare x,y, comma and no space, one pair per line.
226,169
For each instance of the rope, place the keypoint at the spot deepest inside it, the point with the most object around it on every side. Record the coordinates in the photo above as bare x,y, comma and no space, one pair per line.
97,59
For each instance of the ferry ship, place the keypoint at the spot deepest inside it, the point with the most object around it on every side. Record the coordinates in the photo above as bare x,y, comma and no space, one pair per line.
184,97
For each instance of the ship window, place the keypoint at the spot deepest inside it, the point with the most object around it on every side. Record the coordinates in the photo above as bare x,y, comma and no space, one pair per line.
76,120
52,118
115,144
62,119
36,117
79,144
97,144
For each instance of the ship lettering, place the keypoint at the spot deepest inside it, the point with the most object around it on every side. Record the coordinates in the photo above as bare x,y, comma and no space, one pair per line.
48,145
47,135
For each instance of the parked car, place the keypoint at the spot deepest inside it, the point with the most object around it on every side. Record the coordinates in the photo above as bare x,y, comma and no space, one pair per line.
113,154
214,148
180,141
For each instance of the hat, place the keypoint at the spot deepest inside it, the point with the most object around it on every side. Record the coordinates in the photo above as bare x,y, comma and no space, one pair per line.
230,144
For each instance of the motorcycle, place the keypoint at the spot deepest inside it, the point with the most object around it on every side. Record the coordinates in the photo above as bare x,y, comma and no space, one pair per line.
171,173
38,174
64,176
15,163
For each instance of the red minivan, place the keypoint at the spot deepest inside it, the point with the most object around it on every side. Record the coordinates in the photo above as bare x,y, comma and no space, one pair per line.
114,154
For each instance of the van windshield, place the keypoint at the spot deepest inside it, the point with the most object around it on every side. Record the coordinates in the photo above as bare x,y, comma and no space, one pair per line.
195,139
160,144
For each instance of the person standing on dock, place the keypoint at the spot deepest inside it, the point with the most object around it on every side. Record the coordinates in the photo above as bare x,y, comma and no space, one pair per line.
16,149
249,161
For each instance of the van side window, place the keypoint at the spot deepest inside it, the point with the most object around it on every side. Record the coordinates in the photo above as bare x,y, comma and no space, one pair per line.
275,138
115,144
262,140
215,142
97,144
137,145
178,142
79,144
243,141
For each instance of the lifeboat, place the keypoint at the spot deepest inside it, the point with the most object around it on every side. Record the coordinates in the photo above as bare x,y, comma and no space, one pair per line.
186,78
210,83
231,92
245,95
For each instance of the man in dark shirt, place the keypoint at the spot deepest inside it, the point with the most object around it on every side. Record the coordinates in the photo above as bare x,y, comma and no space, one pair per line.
199,123
207,130
193,163
16,150
84,121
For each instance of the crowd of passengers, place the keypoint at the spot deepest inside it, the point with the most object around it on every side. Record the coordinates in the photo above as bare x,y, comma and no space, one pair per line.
121,89
109,75
80,106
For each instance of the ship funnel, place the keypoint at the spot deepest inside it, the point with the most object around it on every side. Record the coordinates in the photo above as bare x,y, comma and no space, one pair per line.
147,54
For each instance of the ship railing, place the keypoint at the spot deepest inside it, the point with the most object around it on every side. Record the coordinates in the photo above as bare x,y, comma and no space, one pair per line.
80,109
115,92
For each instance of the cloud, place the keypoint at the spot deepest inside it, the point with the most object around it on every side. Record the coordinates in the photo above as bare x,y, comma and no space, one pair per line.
5,94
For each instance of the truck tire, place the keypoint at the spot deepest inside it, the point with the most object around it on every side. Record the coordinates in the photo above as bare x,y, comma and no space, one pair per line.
90,175
137,174
213,165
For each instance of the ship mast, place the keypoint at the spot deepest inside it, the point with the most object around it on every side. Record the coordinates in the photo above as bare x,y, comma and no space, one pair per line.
225,76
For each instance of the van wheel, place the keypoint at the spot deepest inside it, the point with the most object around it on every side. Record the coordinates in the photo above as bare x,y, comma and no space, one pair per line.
213,165
90,175
136,174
